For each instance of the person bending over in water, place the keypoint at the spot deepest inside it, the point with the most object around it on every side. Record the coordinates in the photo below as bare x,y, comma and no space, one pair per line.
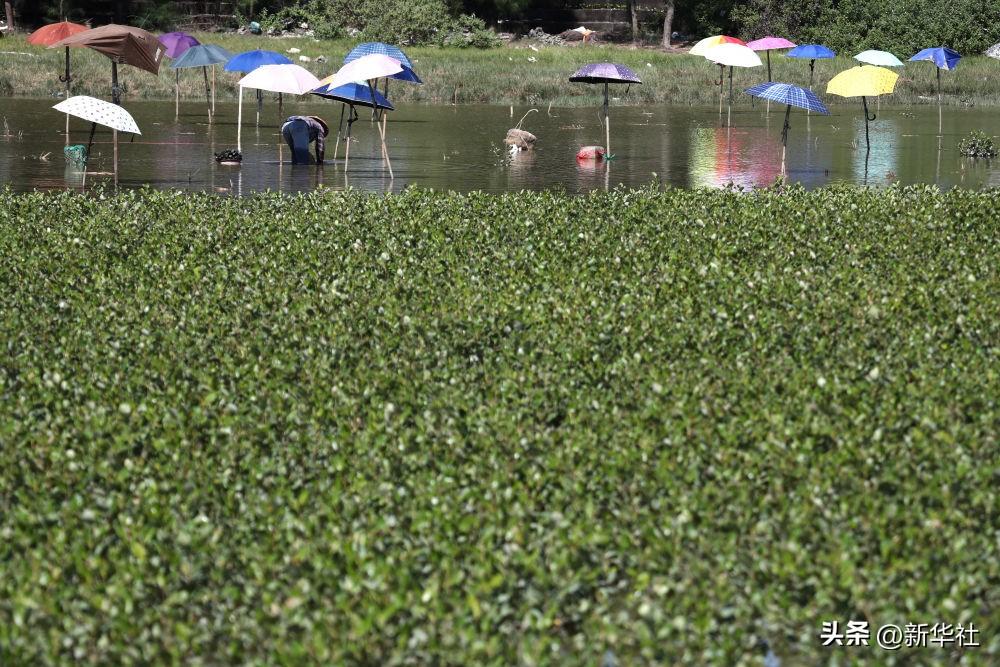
300,131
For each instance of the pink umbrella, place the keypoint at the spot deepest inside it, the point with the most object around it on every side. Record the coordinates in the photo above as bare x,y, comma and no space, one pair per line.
770,44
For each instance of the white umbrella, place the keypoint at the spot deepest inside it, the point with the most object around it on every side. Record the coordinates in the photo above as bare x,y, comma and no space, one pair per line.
291,79
733,55
366,68
99,112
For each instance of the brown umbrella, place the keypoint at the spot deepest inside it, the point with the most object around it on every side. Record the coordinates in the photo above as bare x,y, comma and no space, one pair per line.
124,45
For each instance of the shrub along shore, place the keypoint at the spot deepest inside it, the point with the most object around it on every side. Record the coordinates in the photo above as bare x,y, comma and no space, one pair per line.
509,75
684,427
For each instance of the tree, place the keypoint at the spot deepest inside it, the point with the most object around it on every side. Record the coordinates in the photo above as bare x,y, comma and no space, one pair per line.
10,15
634,15
668,22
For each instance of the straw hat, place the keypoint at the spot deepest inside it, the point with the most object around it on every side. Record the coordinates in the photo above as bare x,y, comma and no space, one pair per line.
326,128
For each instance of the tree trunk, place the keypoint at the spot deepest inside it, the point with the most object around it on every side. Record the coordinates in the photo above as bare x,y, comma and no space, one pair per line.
668,23
634,15
10,15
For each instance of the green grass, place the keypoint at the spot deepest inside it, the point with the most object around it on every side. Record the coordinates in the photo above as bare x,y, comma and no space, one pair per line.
503,76
471,429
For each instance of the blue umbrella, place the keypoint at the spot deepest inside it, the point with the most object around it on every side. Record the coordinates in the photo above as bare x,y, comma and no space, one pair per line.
251,60
351,95
943,58
791,96
812,53
204,56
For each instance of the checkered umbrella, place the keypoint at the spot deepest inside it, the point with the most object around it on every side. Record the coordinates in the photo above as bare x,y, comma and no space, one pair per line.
790,96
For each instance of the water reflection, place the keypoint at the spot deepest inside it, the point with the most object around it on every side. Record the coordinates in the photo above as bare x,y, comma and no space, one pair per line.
456,148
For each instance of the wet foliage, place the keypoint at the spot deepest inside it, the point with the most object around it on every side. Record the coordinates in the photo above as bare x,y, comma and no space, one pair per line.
663,427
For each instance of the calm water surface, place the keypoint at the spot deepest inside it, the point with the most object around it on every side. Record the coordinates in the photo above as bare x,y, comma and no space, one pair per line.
460,148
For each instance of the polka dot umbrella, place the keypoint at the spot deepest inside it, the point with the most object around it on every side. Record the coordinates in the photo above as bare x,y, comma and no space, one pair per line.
99,112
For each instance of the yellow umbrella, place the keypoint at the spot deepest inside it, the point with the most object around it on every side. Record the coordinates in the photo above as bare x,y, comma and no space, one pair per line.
864,82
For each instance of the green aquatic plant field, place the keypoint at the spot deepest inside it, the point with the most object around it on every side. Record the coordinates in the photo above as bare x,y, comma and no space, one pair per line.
645,427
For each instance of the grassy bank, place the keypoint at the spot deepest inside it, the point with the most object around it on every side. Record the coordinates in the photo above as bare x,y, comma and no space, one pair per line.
493,76
679,426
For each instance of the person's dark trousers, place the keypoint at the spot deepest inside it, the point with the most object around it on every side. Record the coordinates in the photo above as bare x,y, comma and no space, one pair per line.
296,134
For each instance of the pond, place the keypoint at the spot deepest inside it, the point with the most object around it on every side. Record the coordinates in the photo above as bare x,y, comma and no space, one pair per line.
460,148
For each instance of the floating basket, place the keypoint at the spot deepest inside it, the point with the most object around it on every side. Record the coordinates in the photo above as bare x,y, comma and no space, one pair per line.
229,157
76,154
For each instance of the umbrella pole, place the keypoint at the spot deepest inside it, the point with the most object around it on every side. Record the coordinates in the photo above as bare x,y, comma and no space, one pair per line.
812,72
769,80
281,104
939,100
213,90
340,131
864,103
607,123
260,105
67,92
729,111
385,149
347,151
115,96
115,133
90,142
208,94
722,79
239,121
177,94
784,137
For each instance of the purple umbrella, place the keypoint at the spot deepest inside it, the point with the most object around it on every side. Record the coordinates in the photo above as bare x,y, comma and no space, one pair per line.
174,45
605,73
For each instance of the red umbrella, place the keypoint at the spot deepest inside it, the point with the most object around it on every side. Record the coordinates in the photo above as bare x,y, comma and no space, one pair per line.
56,32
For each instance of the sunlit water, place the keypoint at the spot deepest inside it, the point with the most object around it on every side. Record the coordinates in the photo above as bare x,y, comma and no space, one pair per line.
460,148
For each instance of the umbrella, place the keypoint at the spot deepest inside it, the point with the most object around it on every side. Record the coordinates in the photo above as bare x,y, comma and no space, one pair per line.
606,73
56,32
707,43
203,56
291,79
733,55
99,112
176,43
378,48
812,53
944,59
351,95
878,58
791,96
768,44
124,45
366,68
251,60
864,82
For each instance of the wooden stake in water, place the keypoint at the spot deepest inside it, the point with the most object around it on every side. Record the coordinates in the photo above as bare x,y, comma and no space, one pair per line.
939,100
784,137
67,79
213,90
729,113
607,123
239,120
177,94
208,94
